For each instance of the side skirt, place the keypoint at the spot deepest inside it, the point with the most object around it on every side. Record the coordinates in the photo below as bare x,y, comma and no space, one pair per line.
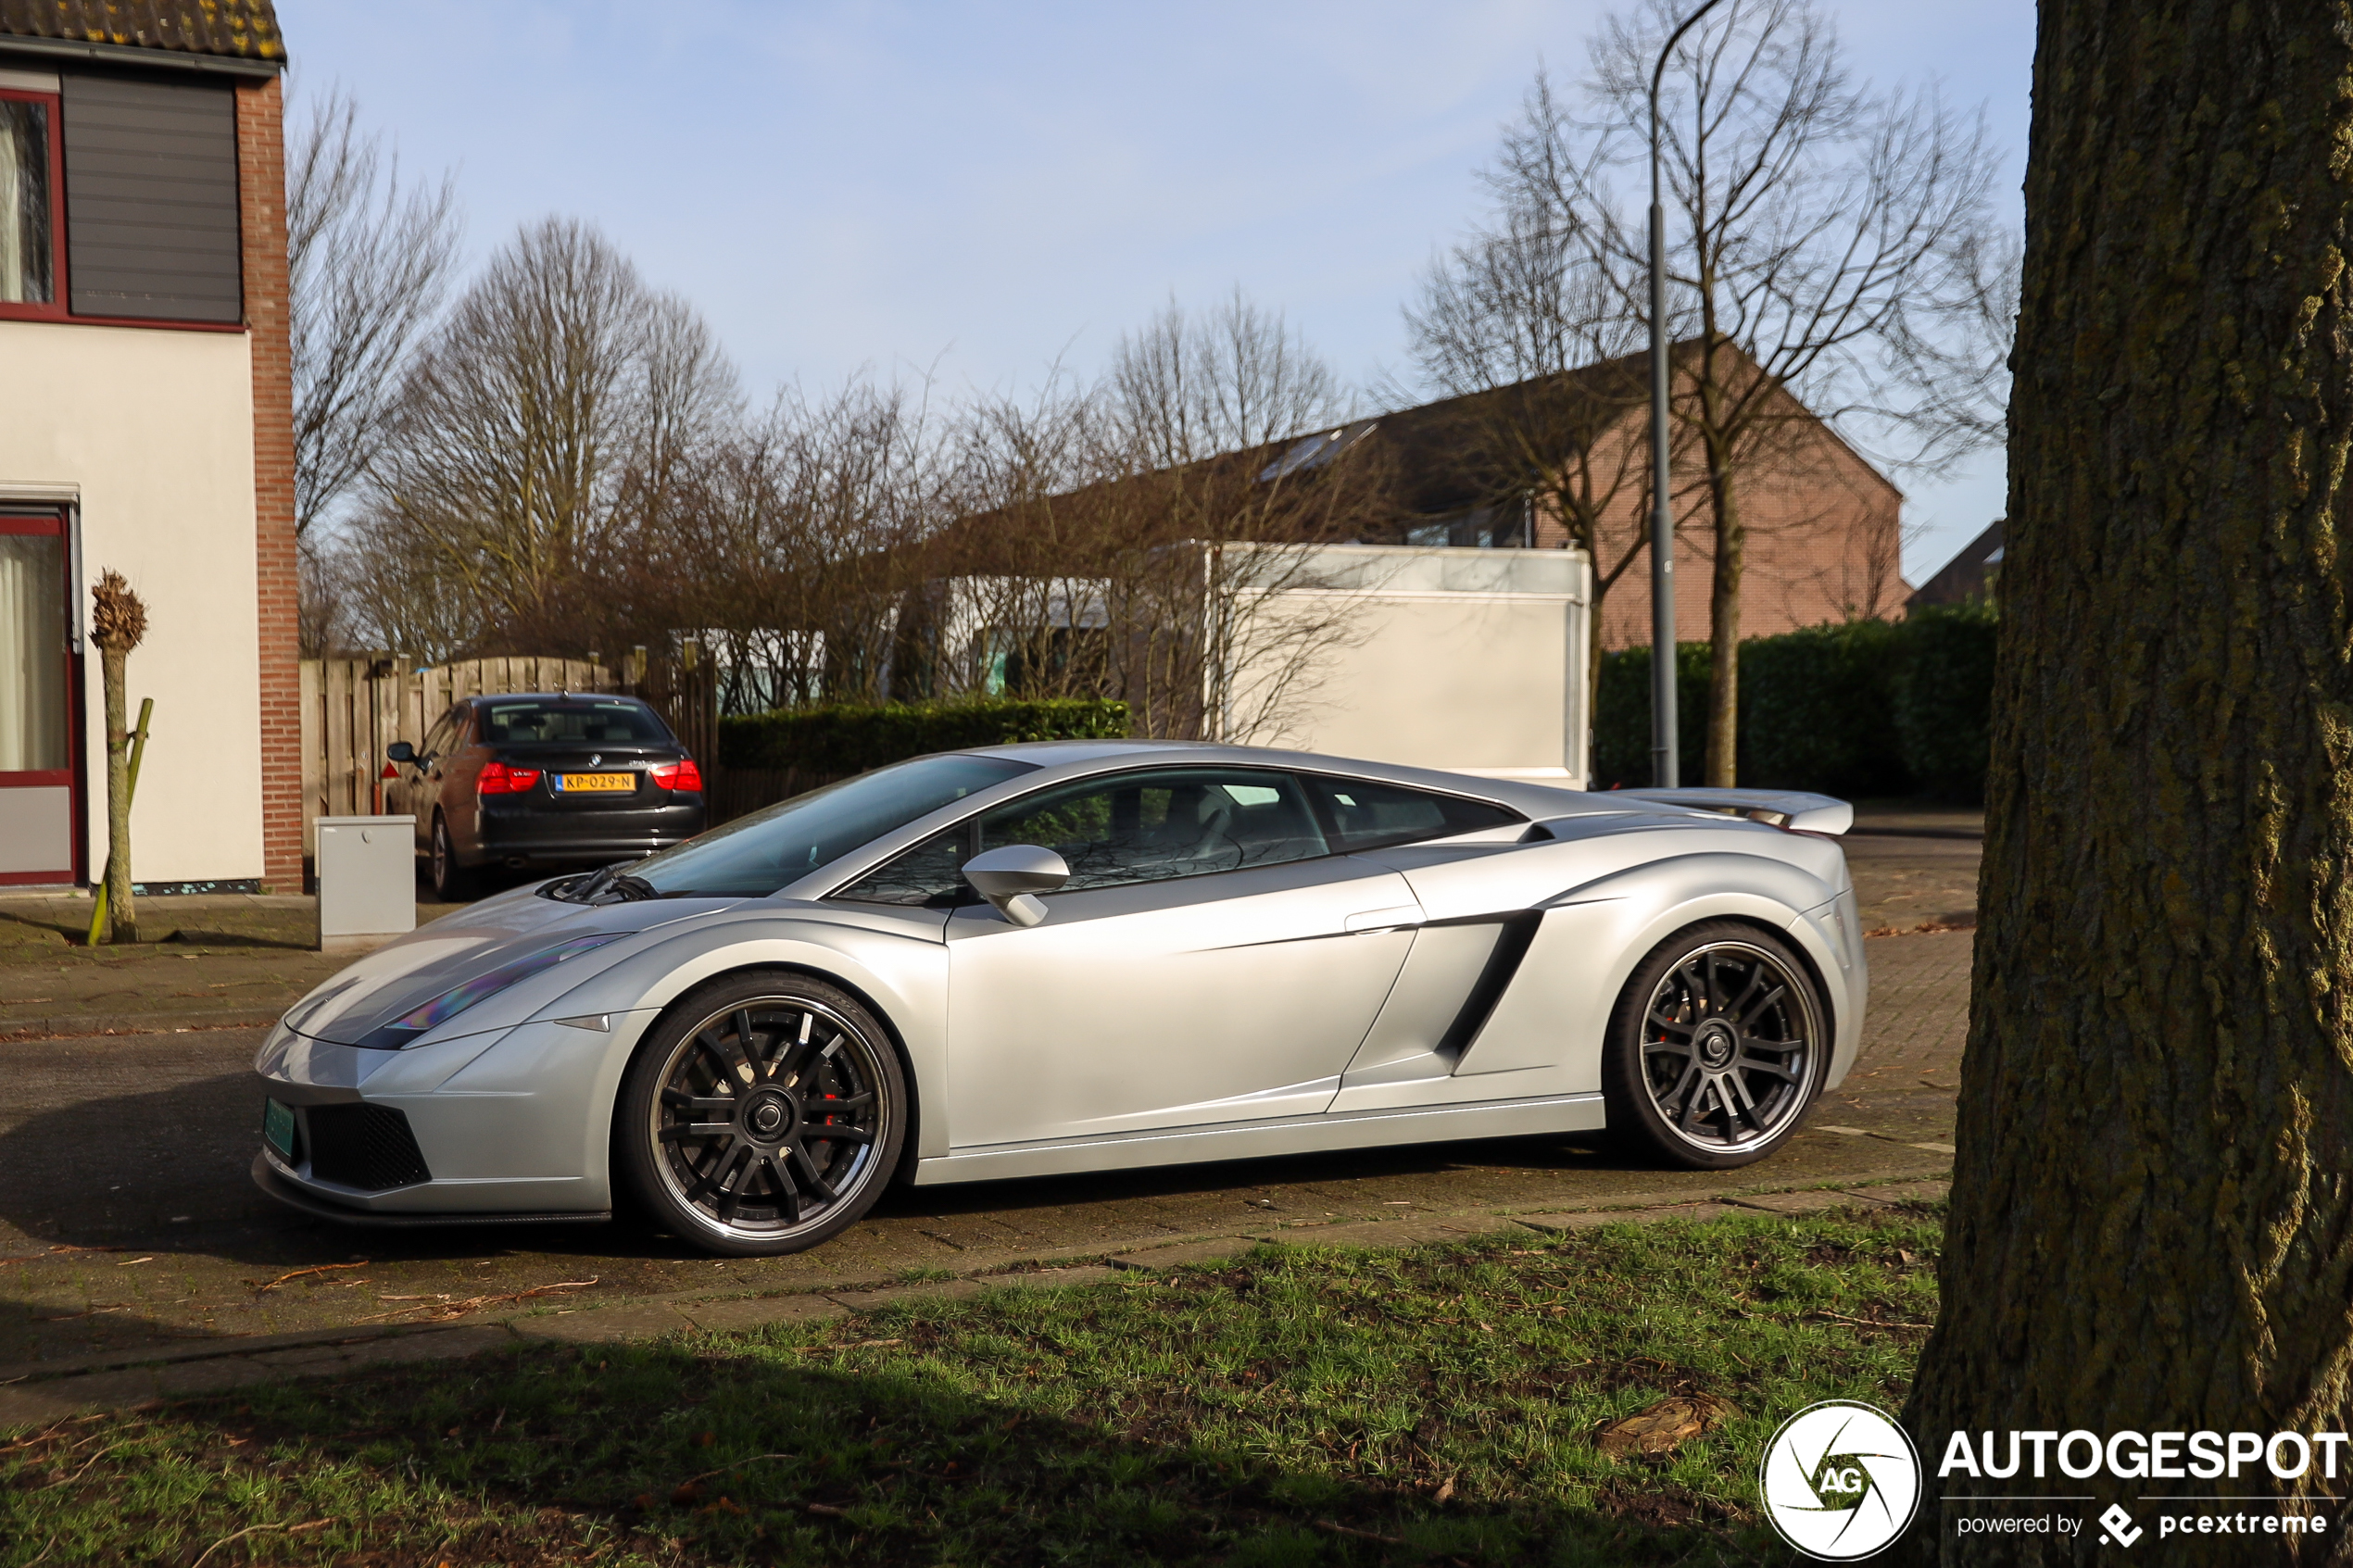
1253,1140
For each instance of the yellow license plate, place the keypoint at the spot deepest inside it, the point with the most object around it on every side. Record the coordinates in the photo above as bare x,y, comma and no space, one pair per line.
585,782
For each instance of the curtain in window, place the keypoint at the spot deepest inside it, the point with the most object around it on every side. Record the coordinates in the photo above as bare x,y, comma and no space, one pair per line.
24,202
33,653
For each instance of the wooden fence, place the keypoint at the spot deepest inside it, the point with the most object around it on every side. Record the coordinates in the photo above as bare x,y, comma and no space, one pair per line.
352,708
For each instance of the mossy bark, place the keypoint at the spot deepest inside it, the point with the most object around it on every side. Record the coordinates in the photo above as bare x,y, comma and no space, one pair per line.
2152,1224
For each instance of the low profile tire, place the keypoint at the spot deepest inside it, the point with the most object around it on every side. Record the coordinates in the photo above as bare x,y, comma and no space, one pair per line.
1717,1046
452,883
763,1115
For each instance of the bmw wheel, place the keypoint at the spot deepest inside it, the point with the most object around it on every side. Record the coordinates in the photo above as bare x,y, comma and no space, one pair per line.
1717,1046
765,1115
452,883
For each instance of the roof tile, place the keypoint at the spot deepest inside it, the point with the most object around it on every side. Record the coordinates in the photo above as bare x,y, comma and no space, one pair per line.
243,29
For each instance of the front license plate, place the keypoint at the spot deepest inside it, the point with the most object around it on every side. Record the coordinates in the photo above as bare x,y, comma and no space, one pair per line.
589,783
278,1126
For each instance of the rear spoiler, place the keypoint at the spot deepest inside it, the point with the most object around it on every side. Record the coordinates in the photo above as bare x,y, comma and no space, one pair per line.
1776,808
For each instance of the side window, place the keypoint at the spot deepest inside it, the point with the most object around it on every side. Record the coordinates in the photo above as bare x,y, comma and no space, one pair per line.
1170,823
1131,827
437,742
1365,815
930,877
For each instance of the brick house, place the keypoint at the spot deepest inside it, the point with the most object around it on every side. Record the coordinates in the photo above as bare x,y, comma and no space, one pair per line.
145,426
1824,536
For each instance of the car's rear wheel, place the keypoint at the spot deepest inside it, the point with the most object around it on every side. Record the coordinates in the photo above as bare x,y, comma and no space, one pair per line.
452,883
1717,1046
763,1115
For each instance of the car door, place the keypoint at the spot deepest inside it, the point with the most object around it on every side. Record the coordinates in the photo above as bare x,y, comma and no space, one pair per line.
422,784
1210,959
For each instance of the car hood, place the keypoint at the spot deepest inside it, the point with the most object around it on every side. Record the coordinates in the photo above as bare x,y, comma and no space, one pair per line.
403,975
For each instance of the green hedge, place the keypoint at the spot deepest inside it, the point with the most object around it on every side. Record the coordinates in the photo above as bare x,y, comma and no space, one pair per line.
1867,708
843,738
1944,699
1622,717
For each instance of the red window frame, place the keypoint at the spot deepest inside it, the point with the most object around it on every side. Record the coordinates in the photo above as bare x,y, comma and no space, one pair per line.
56,525
55,311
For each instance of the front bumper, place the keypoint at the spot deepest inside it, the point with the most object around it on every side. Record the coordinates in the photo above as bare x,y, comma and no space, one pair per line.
507,1124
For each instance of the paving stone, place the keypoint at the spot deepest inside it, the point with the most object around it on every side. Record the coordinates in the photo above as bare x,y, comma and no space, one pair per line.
741,1314
936,1290
34,1404
1908,1192
1050,1279
1186,1252
602,1327
1391,1233
1595,1219
218,1375
1804,1202
443,1344
312,1358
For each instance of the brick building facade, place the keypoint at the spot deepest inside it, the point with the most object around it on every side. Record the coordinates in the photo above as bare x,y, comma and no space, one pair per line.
146,427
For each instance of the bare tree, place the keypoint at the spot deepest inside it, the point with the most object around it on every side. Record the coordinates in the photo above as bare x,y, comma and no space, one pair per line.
1813,226
368,259
1525,328
559,401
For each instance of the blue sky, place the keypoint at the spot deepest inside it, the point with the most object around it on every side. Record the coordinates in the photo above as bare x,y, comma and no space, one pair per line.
972,191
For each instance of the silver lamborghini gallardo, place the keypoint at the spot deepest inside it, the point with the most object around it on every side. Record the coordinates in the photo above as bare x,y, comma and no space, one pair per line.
1078,956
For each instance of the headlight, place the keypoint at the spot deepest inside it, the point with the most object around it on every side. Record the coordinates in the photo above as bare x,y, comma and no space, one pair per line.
407,1028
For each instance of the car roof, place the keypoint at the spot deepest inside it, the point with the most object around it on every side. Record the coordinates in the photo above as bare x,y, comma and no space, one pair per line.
555,697
1530,799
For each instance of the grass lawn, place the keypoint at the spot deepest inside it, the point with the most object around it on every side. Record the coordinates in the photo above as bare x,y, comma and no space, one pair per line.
1434,1405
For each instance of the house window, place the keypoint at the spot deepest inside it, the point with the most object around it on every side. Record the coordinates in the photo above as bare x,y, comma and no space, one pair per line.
28,209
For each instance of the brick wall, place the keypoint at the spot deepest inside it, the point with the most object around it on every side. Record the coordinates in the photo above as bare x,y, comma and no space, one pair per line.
261,199
1823,541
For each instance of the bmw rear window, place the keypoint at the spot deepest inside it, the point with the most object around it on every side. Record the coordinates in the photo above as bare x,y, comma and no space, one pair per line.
575,723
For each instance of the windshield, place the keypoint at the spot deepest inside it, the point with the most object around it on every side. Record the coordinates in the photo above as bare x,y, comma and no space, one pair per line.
754,855
580,721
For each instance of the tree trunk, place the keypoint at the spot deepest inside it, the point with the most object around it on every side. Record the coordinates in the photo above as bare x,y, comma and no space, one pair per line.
122,920
1724,625
2151,1230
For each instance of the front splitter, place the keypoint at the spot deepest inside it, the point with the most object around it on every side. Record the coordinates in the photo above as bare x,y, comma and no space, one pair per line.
293,1197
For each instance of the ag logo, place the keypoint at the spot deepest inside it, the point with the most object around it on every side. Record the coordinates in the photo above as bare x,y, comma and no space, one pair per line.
1840,1481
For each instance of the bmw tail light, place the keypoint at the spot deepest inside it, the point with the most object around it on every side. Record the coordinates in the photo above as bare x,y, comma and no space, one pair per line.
499,779
676,775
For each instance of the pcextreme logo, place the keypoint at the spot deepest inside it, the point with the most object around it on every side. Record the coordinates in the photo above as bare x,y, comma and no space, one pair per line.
1841,1480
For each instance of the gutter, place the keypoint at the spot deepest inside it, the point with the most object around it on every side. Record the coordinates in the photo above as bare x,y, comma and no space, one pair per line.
65,50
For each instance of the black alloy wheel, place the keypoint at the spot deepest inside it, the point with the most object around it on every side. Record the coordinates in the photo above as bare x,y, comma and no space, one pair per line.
452,883
765,1115
1718,1044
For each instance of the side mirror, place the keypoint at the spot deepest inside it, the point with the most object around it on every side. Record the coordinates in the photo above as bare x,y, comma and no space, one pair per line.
400,751
1011,877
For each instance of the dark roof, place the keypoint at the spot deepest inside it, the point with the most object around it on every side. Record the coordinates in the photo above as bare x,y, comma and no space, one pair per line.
1969,575
225,30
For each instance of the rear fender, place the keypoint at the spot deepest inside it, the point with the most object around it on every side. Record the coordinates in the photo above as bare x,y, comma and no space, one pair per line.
1593,938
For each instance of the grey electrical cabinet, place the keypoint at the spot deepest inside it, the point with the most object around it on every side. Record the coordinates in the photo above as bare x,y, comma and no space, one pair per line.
367,880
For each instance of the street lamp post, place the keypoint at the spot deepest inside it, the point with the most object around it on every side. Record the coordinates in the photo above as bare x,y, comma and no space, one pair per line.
1665,766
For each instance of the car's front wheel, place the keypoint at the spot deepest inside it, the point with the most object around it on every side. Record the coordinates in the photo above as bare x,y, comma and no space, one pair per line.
764,1114
1717,1045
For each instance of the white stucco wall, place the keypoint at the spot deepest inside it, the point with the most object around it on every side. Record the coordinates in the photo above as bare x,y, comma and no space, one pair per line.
1467,659
151,431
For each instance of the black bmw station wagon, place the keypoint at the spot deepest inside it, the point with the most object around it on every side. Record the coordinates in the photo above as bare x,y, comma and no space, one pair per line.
540,781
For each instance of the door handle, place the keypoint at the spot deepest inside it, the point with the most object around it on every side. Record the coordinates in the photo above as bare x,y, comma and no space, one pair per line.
1385,920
